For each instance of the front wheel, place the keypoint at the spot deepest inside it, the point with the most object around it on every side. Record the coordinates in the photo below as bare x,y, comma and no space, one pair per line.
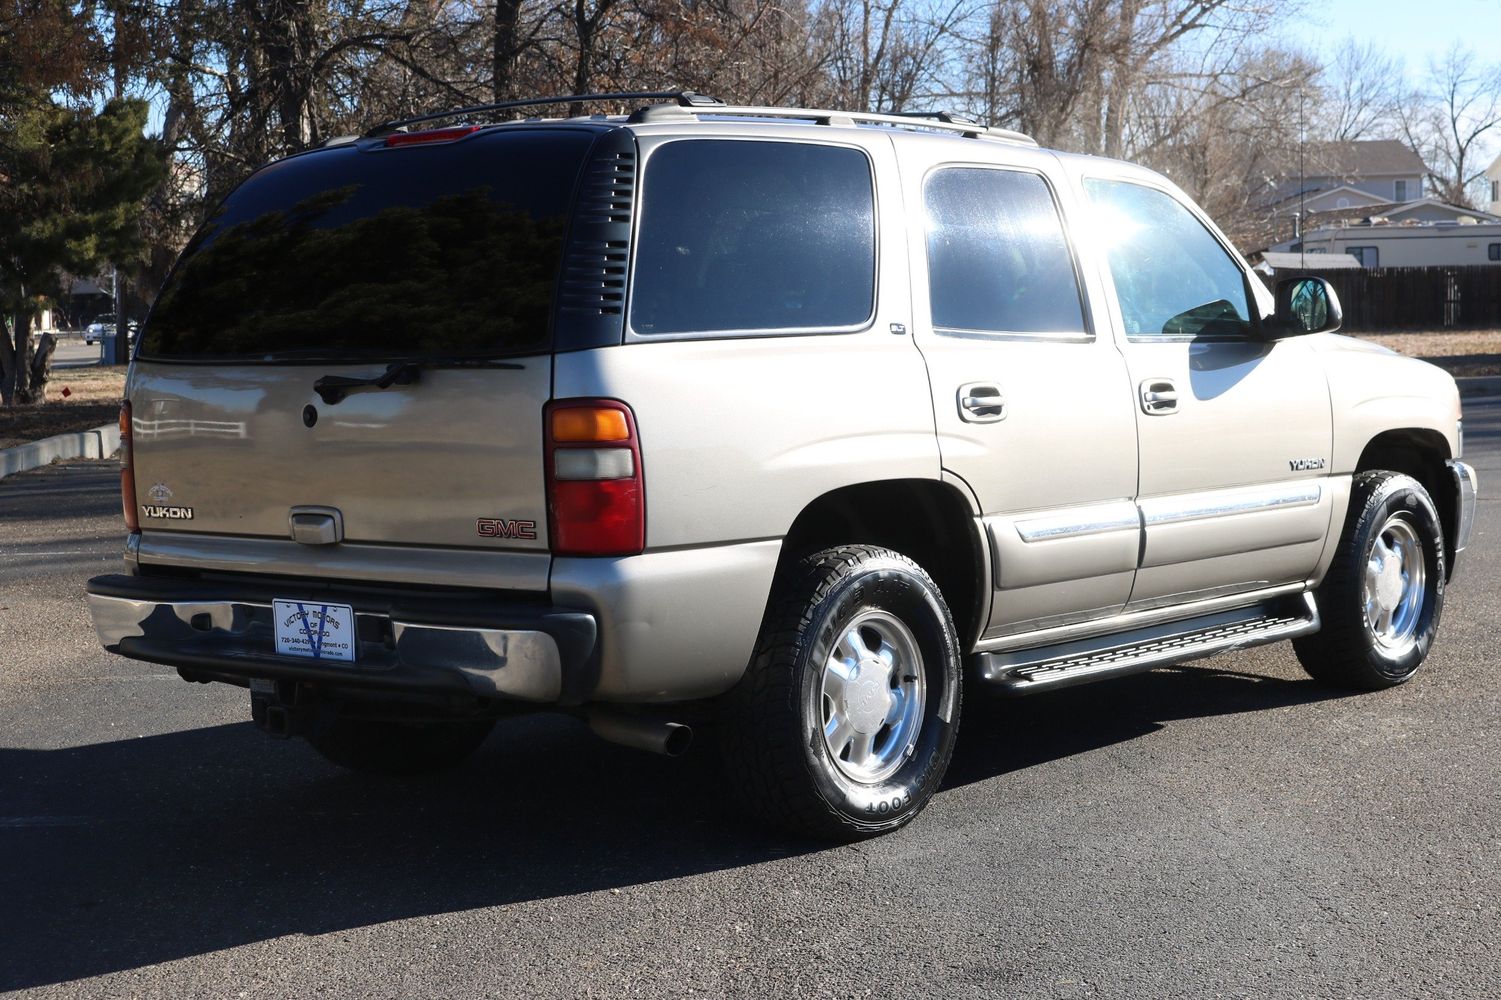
844,722
1384,592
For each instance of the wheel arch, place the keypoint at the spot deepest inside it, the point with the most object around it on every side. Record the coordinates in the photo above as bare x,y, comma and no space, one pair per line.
931,522
1421,453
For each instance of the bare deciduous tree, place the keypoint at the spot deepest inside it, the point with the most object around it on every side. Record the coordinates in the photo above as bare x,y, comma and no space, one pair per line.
1360,93
1451,120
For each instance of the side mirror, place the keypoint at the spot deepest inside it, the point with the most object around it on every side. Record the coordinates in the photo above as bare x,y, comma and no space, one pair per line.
1305,305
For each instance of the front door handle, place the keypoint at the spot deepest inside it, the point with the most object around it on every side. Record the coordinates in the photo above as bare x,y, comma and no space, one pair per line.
981,403
1159,396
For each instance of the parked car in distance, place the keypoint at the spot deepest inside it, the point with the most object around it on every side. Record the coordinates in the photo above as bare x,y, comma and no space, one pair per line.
793,423
99,328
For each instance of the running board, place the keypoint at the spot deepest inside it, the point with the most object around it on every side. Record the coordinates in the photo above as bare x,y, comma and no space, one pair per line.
1023,671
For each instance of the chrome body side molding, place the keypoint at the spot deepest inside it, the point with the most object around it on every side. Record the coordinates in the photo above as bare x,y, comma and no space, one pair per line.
1077,522
1228,503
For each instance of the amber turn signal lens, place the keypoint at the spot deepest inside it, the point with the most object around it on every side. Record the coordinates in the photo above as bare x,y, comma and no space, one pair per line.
589,424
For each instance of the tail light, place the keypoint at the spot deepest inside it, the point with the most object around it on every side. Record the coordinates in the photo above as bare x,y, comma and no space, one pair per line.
127,472
596,501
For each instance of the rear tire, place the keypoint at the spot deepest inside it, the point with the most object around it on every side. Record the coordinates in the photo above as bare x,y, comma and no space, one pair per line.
397,747
1384,593
844,722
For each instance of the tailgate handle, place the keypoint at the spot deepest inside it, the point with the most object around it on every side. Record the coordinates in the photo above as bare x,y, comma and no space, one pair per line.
316,525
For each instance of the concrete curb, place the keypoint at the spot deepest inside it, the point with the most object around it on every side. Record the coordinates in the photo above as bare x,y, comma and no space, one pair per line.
1480,385
101,442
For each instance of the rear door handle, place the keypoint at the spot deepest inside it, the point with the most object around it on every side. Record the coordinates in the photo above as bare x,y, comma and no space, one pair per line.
981,403
1159,396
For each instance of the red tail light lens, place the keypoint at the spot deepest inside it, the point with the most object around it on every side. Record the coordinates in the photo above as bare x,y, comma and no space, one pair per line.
596,500
127,472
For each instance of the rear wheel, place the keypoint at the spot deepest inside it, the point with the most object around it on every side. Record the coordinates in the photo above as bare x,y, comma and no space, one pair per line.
394,746
845,720
1381,600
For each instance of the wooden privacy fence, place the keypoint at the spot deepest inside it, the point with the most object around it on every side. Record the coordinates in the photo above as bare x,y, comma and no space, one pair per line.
1413,298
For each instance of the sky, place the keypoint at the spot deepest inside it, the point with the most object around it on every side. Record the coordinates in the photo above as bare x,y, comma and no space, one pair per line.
1412,30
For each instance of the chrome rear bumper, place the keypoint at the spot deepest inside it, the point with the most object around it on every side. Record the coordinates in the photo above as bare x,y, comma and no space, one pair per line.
525,653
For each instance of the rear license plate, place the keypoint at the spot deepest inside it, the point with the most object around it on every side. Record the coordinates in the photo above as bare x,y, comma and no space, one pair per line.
315,630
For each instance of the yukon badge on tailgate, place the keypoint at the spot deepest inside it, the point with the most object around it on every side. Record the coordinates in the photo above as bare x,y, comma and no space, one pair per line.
167,513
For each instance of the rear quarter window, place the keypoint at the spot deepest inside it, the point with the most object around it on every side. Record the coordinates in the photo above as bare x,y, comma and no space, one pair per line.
746,236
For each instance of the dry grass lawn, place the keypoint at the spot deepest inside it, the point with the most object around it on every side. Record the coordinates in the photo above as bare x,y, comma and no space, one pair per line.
1461,352
93,399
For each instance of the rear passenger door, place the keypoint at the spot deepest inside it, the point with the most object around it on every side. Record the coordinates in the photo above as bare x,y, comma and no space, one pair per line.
1235,430
1032,408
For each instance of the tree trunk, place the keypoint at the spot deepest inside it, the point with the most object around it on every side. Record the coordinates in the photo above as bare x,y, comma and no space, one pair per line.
1122,81
584,26
41,367
504,50
7,364
18,379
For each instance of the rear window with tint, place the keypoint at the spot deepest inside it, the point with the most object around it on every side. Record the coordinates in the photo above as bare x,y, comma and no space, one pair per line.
448,250
740,235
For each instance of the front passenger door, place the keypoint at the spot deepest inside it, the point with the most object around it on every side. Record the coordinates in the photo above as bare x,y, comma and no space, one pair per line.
1234,430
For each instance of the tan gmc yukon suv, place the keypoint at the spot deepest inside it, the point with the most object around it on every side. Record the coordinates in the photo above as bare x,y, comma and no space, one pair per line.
793,422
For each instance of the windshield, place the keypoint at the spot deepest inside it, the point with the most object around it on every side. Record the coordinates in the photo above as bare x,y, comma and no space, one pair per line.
448,249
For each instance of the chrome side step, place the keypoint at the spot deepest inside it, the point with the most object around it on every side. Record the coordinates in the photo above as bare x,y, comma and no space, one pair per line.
1023,671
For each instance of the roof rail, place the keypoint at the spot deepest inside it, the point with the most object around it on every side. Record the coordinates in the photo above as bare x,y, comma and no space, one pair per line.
942,121
684,98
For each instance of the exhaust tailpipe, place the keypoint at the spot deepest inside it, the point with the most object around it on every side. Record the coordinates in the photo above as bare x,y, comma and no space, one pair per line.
671,739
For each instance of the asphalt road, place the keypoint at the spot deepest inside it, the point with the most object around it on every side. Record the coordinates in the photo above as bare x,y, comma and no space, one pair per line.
72,352
1228,829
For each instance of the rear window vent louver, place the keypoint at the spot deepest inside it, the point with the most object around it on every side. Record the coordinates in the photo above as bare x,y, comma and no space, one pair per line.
594,272
594,278
608,189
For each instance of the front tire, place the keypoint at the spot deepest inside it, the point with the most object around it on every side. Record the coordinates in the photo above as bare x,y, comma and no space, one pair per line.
1384,593
844,722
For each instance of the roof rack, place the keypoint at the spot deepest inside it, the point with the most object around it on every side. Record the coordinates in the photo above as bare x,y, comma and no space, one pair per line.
688,105
683,99
942,121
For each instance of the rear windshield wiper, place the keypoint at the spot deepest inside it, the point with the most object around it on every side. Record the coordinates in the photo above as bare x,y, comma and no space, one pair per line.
333,388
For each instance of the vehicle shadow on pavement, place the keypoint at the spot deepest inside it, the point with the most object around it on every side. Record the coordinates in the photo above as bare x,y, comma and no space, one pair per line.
125,854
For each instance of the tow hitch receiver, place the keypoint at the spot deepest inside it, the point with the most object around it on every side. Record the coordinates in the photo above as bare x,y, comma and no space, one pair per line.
280,708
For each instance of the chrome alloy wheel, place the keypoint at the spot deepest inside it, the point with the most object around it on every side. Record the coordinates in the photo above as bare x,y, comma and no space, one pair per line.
1395,585
874,693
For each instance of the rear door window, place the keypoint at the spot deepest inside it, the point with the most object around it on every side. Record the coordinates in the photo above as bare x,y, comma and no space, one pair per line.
451,249
753,236
998,261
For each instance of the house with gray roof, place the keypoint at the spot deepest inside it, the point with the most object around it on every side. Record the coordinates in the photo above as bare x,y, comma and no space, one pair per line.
1383,170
